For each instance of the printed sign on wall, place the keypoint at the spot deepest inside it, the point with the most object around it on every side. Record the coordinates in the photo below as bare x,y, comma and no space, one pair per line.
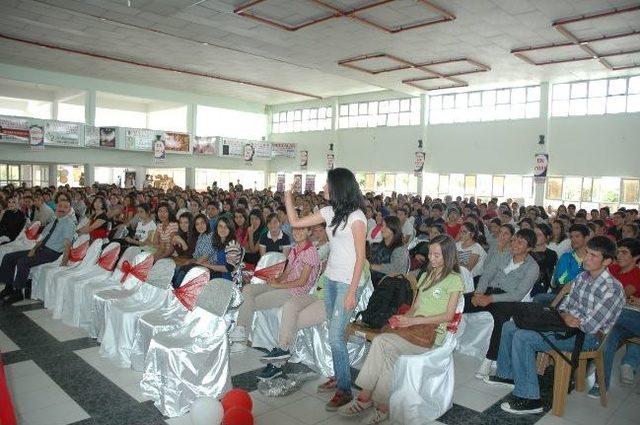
108,137
14,129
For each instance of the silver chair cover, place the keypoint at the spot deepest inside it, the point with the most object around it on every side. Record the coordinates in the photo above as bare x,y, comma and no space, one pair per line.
21,242
41,275
475,336
169,317
103,300
423,384
267,260
68,277
72,305
86,289
120,325
191,361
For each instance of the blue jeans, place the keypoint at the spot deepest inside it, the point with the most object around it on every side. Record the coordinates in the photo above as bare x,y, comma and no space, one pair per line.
627,326
337,321
545,298
517,356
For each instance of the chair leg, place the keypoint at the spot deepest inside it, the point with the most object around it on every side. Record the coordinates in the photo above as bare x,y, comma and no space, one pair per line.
600,376
542,362
581,375
560,386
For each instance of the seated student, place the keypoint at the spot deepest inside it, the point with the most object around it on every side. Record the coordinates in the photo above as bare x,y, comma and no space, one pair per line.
98,226
202,249
255,232
594,302
626,271
374,235
453,224
505,281
438,289
320,240
56,241
502,247
470,254
559,242
569,265
296,281
615,231
12,221
275,240
389,256
166,228
144,229
241,221
419,256
545,257
406,225
184,241
630,230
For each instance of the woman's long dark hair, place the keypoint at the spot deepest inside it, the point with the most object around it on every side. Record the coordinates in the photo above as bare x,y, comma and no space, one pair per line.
344,196
393,223
563,234
104,205
219,243
172,215
190,235
206,222
449,254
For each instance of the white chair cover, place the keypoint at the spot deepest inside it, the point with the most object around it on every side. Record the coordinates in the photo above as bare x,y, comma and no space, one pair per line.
72,290
21,242
103,300
90,287
423,384
120,325
267,260
312,344
467,279
191,361
68,277
42,275
170,317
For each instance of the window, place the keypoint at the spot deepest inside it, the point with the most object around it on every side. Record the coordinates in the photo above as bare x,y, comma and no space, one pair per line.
29,174
389,113
630,191
72,109
167,117
310,119
247,178
167,178
109,175
488,105
593,192
69,174
597,97
212,121
26,108
554,188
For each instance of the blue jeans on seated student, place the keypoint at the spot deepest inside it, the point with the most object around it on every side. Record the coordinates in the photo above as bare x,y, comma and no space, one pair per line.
545,299
627,326
337,321
517,356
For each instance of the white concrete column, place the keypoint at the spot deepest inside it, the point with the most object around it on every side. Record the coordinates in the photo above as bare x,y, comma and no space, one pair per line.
539,187
53,173
90,107
89,174
190,177
140,175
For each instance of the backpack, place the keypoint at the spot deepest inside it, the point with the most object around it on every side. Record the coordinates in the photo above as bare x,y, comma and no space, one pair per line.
387,298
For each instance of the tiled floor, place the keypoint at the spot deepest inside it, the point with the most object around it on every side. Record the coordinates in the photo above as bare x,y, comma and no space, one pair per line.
56,376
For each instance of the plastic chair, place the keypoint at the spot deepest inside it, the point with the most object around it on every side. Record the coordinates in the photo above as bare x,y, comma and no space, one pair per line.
120,325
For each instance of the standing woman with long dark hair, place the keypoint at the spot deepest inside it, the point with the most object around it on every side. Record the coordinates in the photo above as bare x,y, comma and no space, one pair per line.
346,229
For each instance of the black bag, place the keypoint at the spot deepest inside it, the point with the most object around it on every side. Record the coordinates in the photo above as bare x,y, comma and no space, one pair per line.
540,318
391,293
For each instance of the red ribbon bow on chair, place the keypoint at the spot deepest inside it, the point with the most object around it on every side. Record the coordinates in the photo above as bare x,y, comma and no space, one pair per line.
140,270
452,326
108,259
32,232
189,292
270,272
77,254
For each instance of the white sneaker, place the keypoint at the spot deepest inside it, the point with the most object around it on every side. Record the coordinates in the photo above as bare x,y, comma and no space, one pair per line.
485,369
626,374
238,347
238,334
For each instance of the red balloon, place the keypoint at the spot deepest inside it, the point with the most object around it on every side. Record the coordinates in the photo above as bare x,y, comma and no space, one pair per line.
237,416
237,398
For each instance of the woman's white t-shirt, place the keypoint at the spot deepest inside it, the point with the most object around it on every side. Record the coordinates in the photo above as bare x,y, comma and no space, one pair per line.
465,253
560,248
342,253
144,230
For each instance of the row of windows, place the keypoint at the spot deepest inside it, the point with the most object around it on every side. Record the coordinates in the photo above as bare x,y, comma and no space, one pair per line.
479,185
389,113
310,119
487,105
596,97
594,190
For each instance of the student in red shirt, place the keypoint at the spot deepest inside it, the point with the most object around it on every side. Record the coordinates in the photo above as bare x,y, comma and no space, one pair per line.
625,269
453,223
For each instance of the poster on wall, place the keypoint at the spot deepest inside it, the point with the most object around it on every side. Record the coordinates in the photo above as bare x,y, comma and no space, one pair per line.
205,145
304,159
297,183
139,139
108,137
159,149
418,163
14,129
36,138
249,153
176,142
287,150
331,161
91,136
540,167
280,183
129,179
62,133
238,148
310,183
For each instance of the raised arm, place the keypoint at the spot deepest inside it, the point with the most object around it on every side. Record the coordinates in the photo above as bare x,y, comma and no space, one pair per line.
308,221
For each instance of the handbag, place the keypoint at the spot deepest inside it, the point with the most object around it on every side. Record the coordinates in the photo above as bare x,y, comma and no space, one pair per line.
420,335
